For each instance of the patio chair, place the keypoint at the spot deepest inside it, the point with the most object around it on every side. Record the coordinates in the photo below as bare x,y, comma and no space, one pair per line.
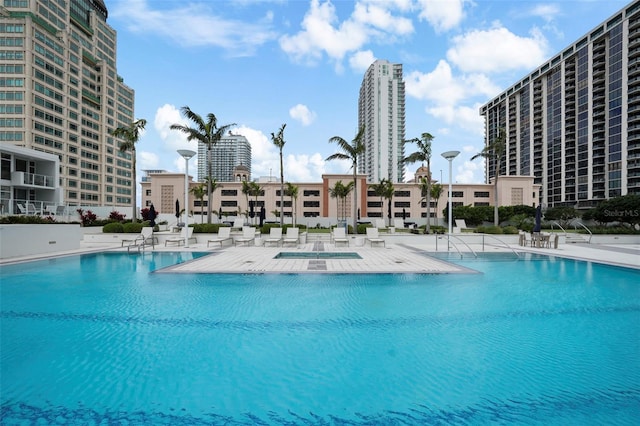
291,237
340,237
238,224
248,236
275,236
374,237
224,234
187,232
143,239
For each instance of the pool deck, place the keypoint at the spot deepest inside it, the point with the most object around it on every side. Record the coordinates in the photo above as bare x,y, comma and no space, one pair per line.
408,257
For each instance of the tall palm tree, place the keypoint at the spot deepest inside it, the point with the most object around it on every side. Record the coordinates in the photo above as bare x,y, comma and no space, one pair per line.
209,133
246,190
199,191
494,151
130,135
214,185
378,190
278,140
255,190
292,191
423,154
340,191
351,151
388,192
436,193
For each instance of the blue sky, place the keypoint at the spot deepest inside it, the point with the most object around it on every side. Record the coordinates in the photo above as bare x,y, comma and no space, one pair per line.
261,63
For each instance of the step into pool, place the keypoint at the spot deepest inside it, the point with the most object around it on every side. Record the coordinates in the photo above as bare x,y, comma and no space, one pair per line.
317,255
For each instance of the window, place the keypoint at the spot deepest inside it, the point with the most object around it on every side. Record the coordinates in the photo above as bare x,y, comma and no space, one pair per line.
481,194
457,194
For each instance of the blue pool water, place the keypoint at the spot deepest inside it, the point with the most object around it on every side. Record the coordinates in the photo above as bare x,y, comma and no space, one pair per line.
100,339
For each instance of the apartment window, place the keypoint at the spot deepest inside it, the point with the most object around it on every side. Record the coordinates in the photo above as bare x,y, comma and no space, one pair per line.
311,204
457,194
311,193
148,192
229,192
481,194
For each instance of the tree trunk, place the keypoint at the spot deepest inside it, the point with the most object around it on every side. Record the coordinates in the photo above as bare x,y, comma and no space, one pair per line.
208,183
134,200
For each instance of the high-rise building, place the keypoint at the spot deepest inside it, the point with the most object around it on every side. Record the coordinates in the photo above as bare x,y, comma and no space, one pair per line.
381,112
229,152
60,92
574,123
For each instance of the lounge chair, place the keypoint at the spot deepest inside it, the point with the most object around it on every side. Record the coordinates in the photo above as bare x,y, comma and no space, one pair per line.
187,232
340,237
291,237
224,234
398,223
275,236
143,239
238,224
374,237
248,236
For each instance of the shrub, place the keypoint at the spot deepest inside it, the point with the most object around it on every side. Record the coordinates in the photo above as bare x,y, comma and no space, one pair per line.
489,229
87,218
117,216
510,230
113,227
132,228
206,228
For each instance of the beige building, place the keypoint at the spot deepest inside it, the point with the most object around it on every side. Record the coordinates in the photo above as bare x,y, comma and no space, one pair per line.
314,205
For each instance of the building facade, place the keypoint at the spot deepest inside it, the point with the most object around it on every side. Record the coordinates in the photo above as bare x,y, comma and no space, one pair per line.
381,112
314,203
229,152
574,122
60,93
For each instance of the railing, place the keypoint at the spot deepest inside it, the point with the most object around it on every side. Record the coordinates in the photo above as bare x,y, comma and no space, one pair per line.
24,178
585,227
500,241
449,236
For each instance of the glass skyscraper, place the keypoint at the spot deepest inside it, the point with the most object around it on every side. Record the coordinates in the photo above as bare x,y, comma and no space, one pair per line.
229,152
574,123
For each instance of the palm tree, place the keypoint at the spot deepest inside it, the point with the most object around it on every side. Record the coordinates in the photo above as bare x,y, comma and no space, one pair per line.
246,190
379,190
340,191
292,191
130,134
388,192
494,150
199,191
278,140
206,132
423,154
351,151
436,193
214,185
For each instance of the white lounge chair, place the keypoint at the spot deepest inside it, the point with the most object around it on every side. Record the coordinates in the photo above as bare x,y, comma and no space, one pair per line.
224,234
187,232
398,223
374,237
291,237
275,236
339,236
238,224
248,236
143,239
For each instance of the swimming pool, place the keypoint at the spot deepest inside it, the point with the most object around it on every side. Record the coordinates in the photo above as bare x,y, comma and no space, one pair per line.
99,338
317,255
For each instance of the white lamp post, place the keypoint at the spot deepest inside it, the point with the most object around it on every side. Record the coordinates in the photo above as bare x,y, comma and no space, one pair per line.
187,155
450,155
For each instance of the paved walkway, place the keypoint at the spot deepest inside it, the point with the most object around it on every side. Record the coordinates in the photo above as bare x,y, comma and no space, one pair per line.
412,257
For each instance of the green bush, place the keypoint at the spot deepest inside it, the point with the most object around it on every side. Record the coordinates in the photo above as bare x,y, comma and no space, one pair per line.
490,229
207,228
132,228
113,227
510,230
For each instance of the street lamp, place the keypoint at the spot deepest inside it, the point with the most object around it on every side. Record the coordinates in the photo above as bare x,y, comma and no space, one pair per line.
450,155
187,154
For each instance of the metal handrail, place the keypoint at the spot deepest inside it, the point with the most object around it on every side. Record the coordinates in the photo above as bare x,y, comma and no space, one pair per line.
556,223
463,242
585,227
499,240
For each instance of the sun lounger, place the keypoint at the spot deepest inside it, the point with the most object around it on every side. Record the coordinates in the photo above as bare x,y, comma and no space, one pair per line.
248,236
187,232
275,237
374,237
224,234
291,237
340,237
143,239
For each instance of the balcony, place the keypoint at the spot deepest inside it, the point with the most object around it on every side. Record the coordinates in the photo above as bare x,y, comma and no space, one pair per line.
23,179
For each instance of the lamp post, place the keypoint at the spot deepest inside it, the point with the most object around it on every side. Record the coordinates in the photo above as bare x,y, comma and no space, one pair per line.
450,155
187,155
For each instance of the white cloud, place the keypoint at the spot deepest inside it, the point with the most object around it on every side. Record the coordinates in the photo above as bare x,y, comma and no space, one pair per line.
147,160
205,28
497,50
548,12
360,61
302,114
173,140
469,172
322,33
442,15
